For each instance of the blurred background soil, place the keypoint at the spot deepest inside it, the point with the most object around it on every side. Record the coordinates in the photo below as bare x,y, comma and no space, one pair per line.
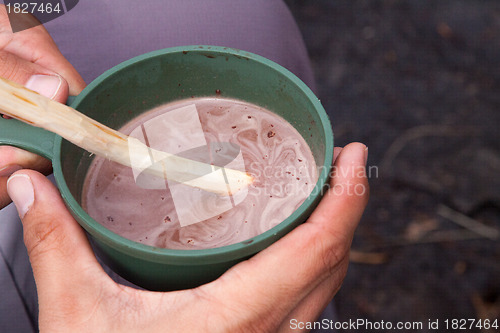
419,83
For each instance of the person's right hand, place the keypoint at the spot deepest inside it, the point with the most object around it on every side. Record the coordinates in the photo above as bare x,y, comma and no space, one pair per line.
278,290
31,58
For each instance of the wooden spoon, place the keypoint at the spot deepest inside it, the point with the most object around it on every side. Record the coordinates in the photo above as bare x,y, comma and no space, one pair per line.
30,107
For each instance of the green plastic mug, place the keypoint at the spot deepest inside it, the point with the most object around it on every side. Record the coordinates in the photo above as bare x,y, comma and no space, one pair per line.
152,79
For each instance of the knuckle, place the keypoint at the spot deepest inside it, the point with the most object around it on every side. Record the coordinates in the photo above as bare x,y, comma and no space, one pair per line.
229,313
331,249
9,65
43,236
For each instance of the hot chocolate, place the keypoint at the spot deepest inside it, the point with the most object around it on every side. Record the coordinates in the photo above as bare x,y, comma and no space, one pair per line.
169,215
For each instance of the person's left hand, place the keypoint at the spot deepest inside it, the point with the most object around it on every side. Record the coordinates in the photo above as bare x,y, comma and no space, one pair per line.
295,278
31,58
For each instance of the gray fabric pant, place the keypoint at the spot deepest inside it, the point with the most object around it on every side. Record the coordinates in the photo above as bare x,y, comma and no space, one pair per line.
98,34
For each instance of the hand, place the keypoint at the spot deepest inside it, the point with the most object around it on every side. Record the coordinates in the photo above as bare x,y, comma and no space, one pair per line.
295,278
31,58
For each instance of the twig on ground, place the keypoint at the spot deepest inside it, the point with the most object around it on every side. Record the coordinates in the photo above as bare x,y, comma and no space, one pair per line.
370,258
418,132
468,223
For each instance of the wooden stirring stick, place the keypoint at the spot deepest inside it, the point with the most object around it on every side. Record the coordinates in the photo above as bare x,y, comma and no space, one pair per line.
30,107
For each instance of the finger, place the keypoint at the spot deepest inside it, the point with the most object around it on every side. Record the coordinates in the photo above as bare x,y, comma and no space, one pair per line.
298,263
342,207
36,46
13,159
58,249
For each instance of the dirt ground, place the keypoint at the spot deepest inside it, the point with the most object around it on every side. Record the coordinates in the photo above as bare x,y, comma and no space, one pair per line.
419,83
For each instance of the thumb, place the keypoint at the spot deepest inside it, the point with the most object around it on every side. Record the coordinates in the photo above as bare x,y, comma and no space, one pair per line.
35,47
33,76
57,246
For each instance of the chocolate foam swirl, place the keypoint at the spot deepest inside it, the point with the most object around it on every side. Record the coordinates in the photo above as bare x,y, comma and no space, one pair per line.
272,150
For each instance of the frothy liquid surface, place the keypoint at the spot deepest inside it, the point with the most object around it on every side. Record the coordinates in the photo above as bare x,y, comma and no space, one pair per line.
272,151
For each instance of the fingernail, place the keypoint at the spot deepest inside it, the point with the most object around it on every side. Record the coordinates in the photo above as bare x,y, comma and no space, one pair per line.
9,170
46,85
21,192
366,154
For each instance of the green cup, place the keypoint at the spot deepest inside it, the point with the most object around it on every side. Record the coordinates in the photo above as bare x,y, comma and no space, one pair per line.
159,77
